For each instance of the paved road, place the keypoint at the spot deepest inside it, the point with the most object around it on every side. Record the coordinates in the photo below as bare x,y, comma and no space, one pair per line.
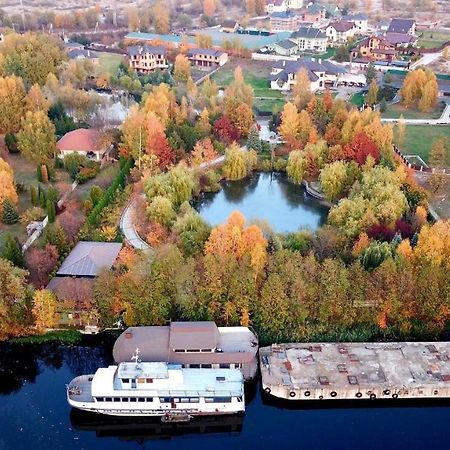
426,59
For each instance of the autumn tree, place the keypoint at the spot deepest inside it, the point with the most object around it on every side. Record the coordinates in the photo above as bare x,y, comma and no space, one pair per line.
420,85
203,152
372,94
242,119
238,162
7,186
301,90
433,244
161,18
296,166
40,263
360,148
225,131
236,93
288,128
157,143
439,153
45,307
37,140
12,103
161,101
333,179
182,70
401,130
36,101
209,7
203,125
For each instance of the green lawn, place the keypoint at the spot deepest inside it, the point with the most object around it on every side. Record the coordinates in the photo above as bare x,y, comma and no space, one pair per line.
109,62
357,99
265,105
396,110
431,39
419,138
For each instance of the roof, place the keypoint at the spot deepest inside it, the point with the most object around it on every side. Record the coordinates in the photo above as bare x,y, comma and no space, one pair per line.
314,8
229,23
193,335
78,290
401,25
134,50
205,51
83,140
309,33
399,38
342,26
287,15
88,258
356,16
286,44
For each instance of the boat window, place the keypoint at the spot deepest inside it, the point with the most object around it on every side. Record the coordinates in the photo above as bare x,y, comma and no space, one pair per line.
179,350
206,350
149,399
184,400
141,399
194,366
124,399
176,400
125,380
108,399
209,399
149,380
224,366
206,366
222,399
193,350
99,399
165,399
239,399
133,399
116,399
193,399
141,380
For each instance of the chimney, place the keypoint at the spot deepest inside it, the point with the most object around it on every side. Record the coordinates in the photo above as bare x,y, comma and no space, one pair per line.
284,63
320,60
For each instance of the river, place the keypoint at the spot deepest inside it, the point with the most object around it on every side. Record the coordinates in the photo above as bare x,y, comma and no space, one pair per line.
34,415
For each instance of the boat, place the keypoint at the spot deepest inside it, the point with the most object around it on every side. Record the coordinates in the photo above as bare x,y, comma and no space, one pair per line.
195,345
157,389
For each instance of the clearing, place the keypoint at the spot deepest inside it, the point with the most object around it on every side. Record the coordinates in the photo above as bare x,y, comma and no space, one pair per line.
109,62
432,39
397,109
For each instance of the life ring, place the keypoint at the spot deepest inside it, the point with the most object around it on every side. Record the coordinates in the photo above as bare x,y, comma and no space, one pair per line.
307,393
333,393
292,394
320,397
394,395
268,390
358,394
386,392
373,396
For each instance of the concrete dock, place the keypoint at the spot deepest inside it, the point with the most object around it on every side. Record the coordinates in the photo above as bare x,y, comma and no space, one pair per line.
356,370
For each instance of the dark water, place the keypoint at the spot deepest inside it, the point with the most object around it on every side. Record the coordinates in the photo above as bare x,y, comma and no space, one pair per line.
270,197
34,415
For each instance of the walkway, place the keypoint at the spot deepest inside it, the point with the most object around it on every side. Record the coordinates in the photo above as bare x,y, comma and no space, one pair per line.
126,221
426,59
443,120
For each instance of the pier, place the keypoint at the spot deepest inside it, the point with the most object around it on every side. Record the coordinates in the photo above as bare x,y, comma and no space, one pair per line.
347,371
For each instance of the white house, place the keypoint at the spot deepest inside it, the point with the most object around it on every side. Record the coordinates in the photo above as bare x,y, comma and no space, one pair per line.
340,32
309,39
276,6
286,47
360,20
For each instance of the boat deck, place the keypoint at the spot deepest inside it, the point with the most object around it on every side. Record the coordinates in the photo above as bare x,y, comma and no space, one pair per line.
80,389
361,370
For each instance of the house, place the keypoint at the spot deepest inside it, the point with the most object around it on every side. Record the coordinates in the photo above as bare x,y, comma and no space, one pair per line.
332,10
86,142
340,32
400,40
74,281
284,21
286,47
375,48
309,40
207,57
146,58
320,73
200,345
274,6
313,13
360,20
69,46
229,26
77,55
294,4
403,26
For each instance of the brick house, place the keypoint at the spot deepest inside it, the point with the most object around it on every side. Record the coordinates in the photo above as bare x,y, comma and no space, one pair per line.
207,57
147,59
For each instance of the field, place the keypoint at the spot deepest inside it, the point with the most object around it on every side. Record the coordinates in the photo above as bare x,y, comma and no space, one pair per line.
396,110
109,62
419,138
432,39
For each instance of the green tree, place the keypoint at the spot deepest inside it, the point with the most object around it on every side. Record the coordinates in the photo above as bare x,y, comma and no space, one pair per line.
51,211
253,140
235,164
33,196
296,166
372,95
9,212
161,210
375,254
371,73
37,140
333,179
13,252
55,235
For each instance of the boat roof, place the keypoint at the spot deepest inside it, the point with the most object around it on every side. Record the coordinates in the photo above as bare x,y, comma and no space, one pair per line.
169,380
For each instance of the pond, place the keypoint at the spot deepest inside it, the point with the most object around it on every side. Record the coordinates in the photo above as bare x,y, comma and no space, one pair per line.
34,414
265,196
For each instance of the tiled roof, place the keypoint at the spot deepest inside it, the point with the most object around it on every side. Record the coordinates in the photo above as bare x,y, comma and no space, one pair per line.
400,25
143,49
205,51
308,32
286,44
83,140
283,15
399,38
88,258
356,16
229,23
342,26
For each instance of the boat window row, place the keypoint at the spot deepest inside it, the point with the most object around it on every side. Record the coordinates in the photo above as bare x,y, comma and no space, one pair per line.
125,399
138,380
194,350
212,366
166,399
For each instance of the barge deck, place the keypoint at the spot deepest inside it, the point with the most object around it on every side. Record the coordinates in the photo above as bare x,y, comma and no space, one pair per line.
356,370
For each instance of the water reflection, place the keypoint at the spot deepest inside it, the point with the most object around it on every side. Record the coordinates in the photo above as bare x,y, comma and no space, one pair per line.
269,197
140,430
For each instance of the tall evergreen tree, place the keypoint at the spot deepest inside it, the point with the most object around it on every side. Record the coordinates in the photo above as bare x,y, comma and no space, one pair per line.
12,252
9,212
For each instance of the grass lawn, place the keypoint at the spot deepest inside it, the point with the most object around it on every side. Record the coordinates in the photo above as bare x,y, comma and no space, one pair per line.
109,62
419,138
431,39
266,105
394,112
357,99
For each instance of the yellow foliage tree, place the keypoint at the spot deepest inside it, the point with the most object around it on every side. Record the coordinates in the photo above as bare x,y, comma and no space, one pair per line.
7,187
433,244
182,70
288,128
45,307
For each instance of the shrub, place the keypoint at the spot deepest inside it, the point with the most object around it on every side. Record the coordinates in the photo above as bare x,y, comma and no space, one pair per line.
280,165
32,214
51,212
33,196
95,194
11,143
9,212
86,173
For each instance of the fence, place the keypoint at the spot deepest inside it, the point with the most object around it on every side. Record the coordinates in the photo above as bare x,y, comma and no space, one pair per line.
264,57
419,168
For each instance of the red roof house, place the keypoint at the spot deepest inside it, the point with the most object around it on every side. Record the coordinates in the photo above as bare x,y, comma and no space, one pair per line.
87,142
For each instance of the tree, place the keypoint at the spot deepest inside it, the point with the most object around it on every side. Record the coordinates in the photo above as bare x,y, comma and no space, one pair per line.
236,164
302,89
203,152
372,95
45,307
203,125
433,244
401,130
9,212
209,7
51,212
236,93
360,148
157,143
296,166
161,211
225,131
13,252
35,100
429,95
7,186
371,73
55,235
182,70
12,103
161,18
333,179
440,153
37,140
40,263
253,141
288,128
243,119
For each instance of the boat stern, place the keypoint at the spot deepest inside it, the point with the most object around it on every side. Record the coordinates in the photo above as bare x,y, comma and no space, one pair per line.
79,393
